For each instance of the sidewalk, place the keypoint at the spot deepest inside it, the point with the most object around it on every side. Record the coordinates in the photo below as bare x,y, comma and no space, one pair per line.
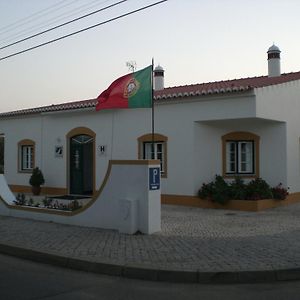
195,245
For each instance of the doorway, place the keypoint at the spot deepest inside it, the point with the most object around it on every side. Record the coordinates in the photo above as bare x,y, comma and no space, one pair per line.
81,162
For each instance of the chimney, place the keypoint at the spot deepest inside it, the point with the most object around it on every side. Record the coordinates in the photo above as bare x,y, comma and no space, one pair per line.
274,61
159,81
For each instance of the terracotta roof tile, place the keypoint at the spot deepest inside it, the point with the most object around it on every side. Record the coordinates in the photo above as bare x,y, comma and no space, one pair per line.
228,86
52,108
202,89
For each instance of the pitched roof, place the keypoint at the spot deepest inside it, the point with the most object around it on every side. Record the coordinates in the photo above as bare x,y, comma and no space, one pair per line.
52,108
228,86
202,89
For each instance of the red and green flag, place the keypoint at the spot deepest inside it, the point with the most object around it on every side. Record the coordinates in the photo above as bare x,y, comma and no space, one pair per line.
133,90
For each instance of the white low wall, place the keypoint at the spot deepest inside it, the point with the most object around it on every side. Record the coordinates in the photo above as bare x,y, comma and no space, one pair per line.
128,201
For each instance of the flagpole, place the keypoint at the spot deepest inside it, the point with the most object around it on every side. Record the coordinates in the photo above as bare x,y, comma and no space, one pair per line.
152,110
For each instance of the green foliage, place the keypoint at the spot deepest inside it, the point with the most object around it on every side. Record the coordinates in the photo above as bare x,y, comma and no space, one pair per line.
221,192
75,205
37,177
258,189
47,201
279,192
238,189
217,191
206,190
20,199
30,202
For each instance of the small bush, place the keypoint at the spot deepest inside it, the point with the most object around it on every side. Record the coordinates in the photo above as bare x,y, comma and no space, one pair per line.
279,192
20,199
258,189
238,189
37,177
221,192
47,202
75,205
206,190
217,191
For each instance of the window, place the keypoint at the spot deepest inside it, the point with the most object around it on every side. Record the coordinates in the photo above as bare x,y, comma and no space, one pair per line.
240,154
239,157
159,151
26,155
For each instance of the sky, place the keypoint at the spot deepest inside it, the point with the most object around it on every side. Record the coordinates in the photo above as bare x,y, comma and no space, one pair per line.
195,41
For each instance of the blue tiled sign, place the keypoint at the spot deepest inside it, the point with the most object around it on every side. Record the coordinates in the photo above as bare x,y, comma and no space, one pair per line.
154,179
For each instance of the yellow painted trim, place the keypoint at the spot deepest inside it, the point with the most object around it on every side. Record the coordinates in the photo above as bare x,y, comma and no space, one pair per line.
20,188
136,162
45,190
25,142
157,138
241,136
74,132
244,205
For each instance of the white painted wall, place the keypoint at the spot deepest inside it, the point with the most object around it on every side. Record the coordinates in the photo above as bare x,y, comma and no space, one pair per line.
282,102
127,185
15,131
272,148
194,130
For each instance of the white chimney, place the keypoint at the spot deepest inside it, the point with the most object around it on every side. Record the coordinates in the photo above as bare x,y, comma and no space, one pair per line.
159,81
274,61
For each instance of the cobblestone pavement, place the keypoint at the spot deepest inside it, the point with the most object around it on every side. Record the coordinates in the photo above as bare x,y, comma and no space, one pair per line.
192,239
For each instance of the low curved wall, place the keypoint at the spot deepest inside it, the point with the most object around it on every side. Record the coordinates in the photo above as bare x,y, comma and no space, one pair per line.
124,202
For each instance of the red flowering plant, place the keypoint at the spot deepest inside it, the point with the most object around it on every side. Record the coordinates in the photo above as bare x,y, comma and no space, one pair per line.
279,192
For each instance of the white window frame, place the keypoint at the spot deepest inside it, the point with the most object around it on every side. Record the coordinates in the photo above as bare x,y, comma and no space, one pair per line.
158,154
27,157
240,157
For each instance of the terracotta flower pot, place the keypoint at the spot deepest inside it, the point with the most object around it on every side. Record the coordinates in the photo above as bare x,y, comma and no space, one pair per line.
36,190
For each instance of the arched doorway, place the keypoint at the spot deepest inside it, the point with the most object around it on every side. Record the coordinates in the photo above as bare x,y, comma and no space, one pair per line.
81,162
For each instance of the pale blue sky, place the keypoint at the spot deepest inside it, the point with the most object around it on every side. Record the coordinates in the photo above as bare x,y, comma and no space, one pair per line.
194,40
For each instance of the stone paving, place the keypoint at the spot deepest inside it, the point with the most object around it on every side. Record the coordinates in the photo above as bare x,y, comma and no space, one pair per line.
192,239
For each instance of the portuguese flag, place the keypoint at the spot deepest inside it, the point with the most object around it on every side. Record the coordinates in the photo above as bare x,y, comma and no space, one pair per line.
133,90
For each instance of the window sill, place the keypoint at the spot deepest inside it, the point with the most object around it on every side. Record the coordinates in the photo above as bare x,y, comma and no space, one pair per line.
25,171
240,175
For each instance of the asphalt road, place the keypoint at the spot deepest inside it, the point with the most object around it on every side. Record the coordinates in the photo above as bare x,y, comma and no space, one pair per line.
20,279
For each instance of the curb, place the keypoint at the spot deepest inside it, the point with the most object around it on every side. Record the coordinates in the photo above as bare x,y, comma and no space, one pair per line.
152,274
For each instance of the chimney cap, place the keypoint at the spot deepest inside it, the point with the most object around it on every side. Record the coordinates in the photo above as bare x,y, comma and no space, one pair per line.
159,68
273,48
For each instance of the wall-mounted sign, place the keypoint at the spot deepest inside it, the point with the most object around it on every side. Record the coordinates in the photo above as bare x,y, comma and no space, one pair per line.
101,149
154,179
58,151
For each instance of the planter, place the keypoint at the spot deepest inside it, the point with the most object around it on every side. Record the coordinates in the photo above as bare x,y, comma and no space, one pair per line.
244,205
36,190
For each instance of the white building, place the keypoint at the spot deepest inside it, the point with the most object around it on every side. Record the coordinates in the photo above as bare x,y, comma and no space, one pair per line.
248,127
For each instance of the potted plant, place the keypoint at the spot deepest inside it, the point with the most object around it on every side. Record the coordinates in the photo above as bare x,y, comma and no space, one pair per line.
36,180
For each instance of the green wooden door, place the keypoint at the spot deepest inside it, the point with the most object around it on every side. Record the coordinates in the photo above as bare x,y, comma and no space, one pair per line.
81,165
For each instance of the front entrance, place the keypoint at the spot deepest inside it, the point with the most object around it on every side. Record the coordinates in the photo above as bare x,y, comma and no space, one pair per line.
81,164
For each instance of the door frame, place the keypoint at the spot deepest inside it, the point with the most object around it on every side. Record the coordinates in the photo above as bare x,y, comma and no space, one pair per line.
69,135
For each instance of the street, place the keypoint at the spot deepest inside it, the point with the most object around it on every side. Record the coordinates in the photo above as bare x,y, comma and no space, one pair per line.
20,279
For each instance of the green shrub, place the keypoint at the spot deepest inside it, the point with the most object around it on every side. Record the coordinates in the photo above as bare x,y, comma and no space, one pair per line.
238,189
217,191
258,189
206,190
279,192
20,199
37,177
221,192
